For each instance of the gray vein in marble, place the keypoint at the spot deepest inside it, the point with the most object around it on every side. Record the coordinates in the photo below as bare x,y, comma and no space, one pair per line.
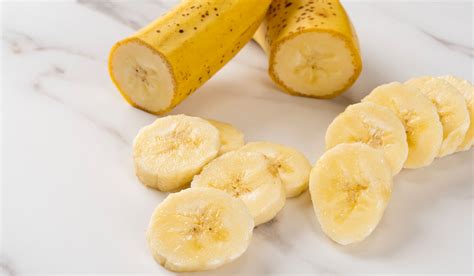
112,10
462,49
20,43
6,269
57,72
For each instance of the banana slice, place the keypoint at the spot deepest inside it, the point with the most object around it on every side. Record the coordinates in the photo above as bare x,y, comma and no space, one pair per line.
292,166
231,138
418,115
169,152
467,90
249,176
199,229
350,187
452,110
374,125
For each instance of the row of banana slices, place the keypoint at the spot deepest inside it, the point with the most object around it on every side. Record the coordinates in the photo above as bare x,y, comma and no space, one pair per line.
396,126
233,188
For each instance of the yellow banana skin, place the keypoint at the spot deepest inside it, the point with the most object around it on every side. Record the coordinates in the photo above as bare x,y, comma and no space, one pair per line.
196,39
286,20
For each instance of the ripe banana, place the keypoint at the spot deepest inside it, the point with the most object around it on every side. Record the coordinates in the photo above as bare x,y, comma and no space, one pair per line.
350,188
249,176
169,152
312,47
163,63
231,138
452,110
292,166
199,229
374,125
467,90
419,116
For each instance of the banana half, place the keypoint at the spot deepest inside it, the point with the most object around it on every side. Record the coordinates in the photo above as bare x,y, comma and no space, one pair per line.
467,90
350,188
199,229
169,152
249,176
292,166
419,116
231,137
374,125
452,110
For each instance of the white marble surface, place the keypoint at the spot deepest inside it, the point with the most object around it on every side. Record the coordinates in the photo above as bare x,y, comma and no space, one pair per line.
70,200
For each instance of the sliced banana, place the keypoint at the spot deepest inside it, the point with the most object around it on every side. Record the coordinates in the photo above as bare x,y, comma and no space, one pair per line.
452,110
467,90
292,166
249,176
374,125
169,152
231,137
419,116
350,188
199,229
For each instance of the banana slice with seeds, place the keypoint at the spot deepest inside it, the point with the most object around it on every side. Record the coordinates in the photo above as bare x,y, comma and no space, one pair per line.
419,116
292,166
467,90
199,229
350,188
452,110
231,137
169,152
249,176
374,125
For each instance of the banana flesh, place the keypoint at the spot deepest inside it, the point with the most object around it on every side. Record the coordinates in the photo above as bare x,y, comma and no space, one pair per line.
199,229
231,137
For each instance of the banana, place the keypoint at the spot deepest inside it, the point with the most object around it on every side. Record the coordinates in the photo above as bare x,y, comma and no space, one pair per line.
292,166
249,176
231,138
312,47
467,90
169,152
374,125
163,63
350,188
419,116
452,110
199,229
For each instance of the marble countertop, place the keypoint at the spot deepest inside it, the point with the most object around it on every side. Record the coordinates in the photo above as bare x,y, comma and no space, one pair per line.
72,204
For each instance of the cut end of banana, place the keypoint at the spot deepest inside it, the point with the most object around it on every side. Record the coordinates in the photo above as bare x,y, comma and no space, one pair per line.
199,229
292,166
249,176
419,117
231,137
169,152
350,188
142,75
451,107
315,64
374,125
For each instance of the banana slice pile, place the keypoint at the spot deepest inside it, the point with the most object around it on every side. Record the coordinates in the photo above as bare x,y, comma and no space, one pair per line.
396,126
234,187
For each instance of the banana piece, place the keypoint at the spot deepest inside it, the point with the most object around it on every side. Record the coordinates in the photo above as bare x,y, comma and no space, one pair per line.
169,152
199,229
231,137
350,188
292,166
312,47
452,110
249,176
162,64
467,90
419,116
374,125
